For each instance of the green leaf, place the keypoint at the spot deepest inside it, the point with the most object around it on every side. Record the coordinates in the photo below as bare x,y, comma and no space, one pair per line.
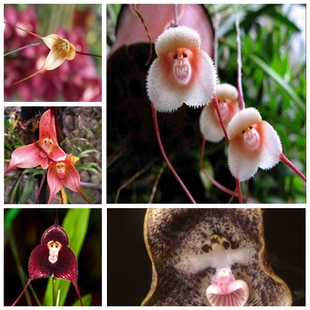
280,81
86,300
75,224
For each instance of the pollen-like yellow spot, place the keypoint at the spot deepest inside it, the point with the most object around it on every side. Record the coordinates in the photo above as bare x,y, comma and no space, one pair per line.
54,248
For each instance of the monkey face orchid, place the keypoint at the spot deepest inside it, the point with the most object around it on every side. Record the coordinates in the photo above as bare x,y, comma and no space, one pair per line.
53,258
60,50
42,152
182,73
210,125
63,173
253,144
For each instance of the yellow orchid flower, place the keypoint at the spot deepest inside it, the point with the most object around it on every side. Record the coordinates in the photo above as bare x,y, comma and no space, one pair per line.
60,50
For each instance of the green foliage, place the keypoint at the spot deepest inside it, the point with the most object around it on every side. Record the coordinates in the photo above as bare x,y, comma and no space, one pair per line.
273,81
20,183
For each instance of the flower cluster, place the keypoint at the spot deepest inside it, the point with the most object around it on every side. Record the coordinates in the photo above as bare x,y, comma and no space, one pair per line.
75,80
183,73
47,153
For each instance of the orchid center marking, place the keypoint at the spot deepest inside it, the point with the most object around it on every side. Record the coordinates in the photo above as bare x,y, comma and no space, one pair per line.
182,68
251,138
54,248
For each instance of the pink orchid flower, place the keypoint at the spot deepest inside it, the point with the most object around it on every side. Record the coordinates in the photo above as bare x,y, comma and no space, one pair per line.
253,144
42,152
182,73
210,126
63,173
225,290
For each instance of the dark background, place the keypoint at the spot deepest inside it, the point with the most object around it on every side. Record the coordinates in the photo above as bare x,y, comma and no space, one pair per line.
129,268
28,228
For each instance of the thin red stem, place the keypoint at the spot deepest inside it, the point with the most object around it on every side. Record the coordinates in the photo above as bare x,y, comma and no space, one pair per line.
217,108
34,34
87,54
239,190
154,113
213,181
21,294
286,161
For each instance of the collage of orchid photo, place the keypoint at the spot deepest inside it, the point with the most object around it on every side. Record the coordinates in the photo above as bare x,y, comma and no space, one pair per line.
197,109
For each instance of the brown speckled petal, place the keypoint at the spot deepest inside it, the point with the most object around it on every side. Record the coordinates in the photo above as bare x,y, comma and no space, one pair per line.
178,243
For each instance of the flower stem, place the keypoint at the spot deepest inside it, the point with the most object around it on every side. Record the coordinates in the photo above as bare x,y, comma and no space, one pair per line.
23,47
239,190
286,161
87,54
154,113
213,181
217,108
54,290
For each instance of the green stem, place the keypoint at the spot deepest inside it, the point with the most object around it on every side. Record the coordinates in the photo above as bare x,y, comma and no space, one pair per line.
54,290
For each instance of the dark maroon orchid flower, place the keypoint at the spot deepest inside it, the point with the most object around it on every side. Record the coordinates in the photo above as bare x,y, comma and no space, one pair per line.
53,258
43,151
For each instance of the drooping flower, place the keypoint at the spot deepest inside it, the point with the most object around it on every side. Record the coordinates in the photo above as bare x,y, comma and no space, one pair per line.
253,144
42,152
210,125
53,258
60,50
63,173
182,73
75,80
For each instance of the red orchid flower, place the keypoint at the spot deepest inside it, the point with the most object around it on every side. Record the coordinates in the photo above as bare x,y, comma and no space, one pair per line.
63,173
43,151
53,258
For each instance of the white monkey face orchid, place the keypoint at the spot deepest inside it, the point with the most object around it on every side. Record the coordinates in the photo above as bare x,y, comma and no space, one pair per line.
210,126
182,72
253,144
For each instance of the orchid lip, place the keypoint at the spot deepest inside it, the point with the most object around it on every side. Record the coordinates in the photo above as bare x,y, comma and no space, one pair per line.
182,71
251,138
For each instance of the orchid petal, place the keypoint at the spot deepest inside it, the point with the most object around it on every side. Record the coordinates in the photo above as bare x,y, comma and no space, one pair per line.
226,290
182,73
48,137
54,182
61,49
63,174
210,125
253,144
28,156
272,147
